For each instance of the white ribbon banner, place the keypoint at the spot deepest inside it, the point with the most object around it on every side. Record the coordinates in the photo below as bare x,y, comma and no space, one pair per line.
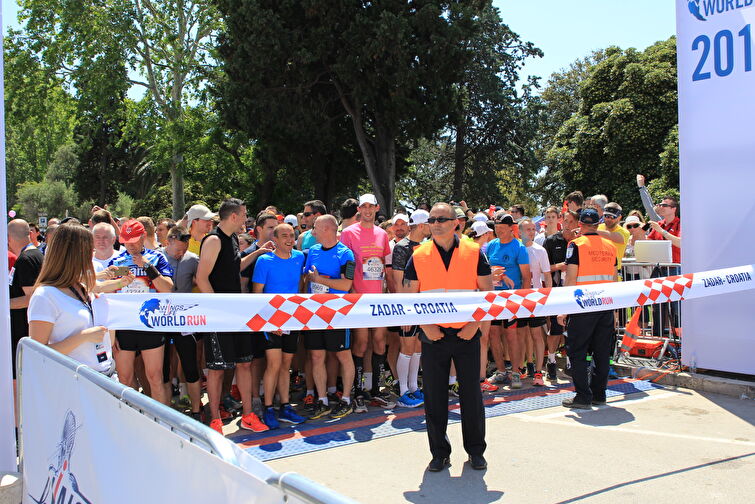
269,312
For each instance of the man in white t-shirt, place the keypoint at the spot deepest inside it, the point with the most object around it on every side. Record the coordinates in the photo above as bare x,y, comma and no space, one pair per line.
540,269
104,238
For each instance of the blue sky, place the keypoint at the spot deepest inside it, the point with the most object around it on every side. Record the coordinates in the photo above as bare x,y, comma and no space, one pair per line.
568,30
564,30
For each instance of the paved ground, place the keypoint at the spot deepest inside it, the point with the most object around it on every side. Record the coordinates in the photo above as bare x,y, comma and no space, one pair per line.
663,445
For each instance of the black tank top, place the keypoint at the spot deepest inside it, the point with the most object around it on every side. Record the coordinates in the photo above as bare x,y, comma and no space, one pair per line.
224,276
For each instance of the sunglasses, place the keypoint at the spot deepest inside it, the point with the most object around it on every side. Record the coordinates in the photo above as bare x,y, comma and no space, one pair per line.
665,205
440,220
633,226
307,214
610,215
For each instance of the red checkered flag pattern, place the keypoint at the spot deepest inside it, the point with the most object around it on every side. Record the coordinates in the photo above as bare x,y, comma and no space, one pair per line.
318,311
661,290
507,305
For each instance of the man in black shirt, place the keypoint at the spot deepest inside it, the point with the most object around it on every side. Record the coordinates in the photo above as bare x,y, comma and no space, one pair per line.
444,343
22,278
556,245
219,270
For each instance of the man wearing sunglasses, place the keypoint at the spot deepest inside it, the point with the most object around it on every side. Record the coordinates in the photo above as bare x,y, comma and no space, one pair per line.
448,264
668,226
610,229
312,210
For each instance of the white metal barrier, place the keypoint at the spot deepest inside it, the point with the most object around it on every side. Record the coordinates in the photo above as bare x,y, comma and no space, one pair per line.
86,438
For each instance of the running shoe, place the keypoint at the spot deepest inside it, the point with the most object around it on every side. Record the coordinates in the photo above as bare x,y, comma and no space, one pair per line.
224,413
252,422
409,401
538,381
320,410
217,425
198,416
516,381
419,394
522,373
342,409
454,389
612,374
270,419
486,386
383,400
309,404
360,405
335,398
183,402
530,370
500,378
257,407
235,393
551,366
231,405
288,415
507,364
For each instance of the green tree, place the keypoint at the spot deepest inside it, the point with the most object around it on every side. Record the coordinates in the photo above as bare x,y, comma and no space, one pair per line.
167,43
390,66
39,115
53,198
626,120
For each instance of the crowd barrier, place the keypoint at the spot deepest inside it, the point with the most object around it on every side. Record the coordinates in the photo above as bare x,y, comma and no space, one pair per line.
85,438
660,324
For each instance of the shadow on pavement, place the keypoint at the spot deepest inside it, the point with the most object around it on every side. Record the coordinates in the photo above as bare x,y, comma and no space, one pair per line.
439,487
741,408
605,416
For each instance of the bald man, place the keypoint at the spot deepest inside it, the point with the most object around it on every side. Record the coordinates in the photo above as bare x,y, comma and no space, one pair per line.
22,278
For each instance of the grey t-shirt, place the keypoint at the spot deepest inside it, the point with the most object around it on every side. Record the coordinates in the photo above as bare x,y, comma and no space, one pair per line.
184,271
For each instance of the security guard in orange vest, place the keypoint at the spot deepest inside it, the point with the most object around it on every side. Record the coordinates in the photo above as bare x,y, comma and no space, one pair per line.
590,260
447,264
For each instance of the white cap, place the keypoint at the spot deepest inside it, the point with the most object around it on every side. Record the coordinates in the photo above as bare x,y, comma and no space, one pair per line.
632,219
399,217
419,217
291,219
367,198
200,212
480,217
480,228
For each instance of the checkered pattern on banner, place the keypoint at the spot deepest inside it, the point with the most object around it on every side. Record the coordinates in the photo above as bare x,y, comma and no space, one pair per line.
661,290
520,303
317,311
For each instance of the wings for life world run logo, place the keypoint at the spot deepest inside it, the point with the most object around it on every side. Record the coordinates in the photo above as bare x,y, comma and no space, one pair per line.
702,9
588,299
61,485
156,313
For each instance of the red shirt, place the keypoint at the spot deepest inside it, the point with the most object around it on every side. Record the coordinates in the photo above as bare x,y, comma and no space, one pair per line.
675,228
11,260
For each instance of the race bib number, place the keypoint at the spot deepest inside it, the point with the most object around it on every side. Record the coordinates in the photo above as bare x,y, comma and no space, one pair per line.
10,275
138,286
100,351
372,269
318,288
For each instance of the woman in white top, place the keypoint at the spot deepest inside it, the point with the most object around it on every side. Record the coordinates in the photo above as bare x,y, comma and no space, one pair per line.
60,311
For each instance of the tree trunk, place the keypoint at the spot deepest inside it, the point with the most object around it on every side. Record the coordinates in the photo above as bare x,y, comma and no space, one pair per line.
459,155
177,184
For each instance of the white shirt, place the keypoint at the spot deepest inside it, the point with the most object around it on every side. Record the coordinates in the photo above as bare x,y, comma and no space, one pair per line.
70,316
539,264
101,264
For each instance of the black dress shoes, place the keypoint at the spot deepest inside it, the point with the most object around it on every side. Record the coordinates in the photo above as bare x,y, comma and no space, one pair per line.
575,404
437,464
478,462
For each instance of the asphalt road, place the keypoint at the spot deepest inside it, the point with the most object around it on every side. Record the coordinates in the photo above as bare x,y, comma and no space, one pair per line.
664,446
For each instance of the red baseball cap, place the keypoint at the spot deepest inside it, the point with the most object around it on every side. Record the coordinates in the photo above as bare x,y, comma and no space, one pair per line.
131,231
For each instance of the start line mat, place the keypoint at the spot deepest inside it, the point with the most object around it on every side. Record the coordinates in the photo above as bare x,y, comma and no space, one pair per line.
328,433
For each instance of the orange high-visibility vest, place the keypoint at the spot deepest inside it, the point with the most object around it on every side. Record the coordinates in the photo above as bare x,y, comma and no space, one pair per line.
597,260
461,274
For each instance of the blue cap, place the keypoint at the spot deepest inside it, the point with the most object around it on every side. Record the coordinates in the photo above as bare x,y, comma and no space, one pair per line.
589,216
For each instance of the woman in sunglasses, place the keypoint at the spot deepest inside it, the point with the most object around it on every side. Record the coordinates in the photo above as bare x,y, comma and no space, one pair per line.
636,229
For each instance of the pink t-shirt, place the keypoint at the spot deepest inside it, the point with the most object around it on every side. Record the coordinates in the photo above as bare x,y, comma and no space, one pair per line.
370,246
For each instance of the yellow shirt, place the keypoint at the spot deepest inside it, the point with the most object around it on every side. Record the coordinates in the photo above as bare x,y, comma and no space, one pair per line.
620,247
194,246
